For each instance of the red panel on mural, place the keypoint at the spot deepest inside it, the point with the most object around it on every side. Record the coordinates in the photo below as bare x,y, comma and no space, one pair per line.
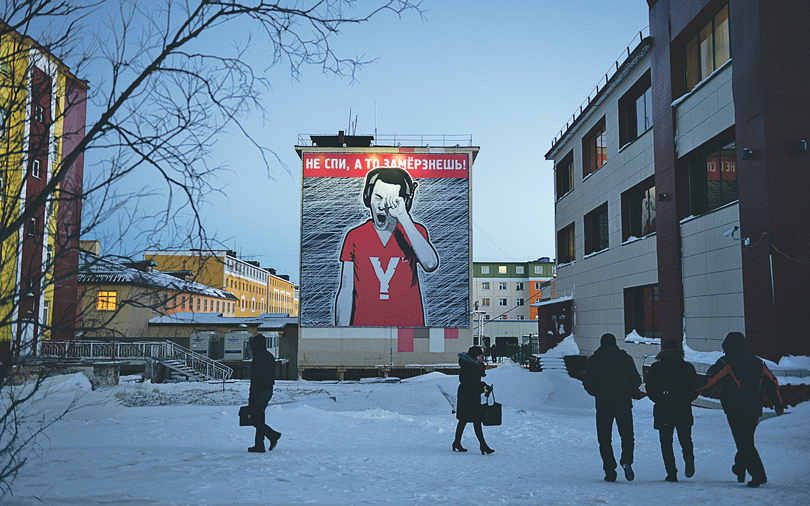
405,340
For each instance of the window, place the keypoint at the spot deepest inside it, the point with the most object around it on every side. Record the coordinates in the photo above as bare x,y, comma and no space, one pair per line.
519,269
198,303
501,269
635,110
502,285
520,302
596,230
502,302
519,286
708,50
485,285
485,302
536,300
484,269
183,303
486,317
35,171
106,300
594,149
537,285
638,210
713,178
564,172
538,269
520,317
32,227
566,245
641,311
205,305
3,116
39,114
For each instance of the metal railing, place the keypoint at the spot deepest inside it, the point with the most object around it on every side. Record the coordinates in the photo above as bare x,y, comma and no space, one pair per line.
409,140
637,39
157,350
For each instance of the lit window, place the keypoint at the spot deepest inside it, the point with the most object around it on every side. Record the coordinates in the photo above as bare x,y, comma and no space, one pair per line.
501,269
485,302
708,50
106,300
594,149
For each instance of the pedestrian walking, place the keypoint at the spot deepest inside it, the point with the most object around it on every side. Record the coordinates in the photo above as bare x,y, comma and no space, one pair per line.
743,379
669,386
469,407
611,377
262,380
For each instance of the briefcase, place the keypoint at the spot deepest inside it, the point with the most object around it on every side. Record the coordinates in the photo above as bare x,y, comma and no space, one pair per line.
492,412
246,416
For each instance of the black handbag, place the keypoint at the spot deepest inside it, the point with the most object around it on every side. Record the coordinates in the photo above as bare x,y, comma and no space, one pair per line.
246,416
492,412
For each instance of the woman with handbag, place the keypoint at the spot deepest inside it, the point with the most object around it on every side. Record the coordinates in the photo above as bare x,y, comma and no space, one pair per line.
469,407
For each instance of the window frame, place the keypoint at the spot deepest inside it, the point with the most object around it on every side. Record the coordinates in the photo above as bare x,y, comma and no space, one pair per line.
484,269
633,203
566,244
105,302
635,310
485,285
503,302
629,129
502,285
699,191
519,286
597,230
485,301
591,146
564,175
696,64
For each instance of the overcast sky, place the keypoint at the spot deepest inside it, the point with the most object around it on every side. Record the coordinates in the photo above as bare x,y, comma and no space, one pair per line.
508,73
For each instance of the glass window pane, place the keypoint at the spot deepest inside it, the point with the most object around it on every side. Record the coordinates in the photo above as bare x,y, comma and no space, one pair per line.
648,212
713,182
706,51
722,47
641,116
692,64
601,148
728,175
648,108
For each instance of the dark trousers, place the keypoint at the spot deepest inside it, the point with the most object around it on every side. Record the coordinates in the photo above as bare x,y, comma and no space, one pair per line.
747,458
684,437
479,432
604,434
258,402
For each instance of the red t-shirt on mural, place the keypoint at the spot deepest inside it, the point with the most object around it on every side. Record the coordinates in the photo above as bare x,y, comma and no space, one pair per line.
386,282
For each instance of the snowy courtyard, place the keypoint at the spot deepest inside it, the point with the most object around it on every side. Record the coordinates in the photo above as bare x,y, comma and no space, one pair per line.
377,443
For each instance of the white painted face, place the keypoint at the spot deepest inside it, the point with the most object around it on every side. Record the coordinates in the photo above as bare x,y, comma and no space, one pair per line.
383,198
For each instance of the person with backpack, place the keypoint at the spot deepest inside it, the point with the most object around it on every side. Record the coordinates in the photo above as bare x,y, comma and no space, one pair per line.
669,386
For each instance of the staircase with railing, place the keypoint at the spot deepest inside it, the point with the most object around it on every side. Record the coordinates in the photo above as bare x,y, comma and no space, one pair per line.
182,360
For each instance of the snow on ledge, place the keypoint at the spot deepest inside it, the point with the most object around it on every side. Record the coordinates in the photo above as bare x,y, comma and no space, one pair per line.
633,337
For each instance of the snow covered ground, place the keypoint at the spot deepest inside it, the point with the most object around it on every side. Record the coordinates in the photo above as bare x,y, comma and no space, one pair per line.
378,443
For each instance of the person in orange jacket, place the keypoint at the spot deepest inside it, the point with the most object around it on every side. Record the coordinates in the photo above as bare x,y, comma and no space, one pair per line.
743,378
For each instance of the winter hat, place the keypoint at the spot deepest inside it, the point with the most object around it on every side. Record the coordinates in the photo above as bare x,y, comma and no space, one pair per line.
475,351
734,343
608,340
671,344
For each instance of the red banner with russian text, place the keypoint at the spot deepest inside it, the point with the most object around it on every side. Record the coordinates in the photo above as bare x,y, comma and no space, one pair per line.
418,165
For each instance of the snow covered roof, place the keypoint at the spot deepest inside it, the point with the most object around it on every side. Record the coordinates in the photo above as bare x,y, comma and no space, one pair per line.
265,321
552,301
97,270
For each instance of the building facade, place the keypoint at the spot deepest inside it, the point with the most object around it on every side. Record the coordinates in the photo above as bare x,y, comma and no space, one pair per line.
42,118
506,290
258,290
678,208
119,300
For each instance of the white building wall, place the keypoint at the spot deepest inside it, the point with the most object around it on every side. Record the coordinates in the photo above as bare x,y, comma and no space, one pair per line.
712,278
597,282
705,112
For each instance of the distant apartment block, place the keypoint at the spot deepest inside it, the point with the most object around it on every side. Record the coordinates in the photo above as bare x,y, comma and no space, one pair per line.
506,290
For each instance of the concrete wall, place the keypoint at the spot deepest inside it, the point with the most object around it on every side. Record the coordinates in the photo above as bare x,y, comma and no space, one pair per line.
712,278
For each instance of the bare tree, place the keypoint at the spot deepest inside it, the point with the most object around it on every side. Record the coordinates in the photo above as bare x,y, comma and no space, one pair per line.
162,86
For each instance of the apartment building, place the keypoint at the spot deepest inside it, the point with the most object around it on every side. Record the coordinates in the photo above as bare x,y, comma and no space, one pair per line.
680,211
506,290
258,290
42,118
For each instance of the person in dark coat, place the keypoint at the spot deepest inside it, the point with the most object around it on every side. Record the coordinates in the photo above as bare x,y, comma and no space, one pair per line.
262,379
669,386
468,408
611,377
743,379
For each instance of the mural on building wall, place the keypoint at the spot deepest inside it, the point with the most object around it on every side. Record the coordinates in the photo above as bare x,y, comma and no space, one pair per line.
385,240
